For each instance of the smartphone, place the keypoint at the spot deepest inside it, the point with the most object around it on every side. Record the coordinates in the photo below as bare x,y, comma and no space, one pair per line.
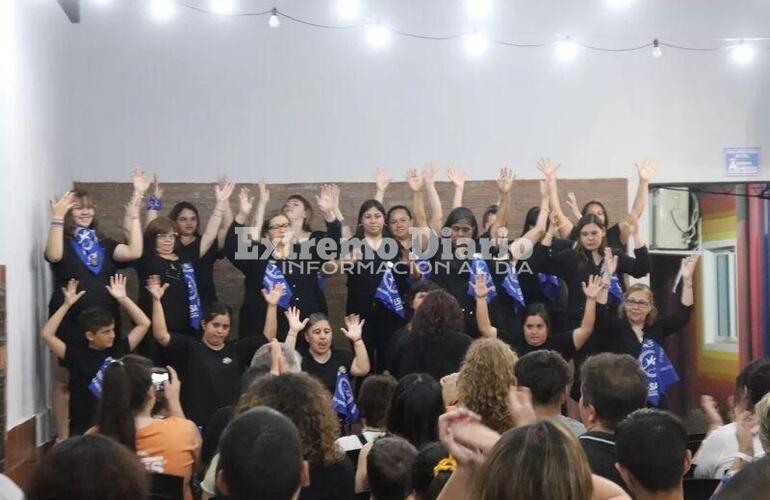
159,376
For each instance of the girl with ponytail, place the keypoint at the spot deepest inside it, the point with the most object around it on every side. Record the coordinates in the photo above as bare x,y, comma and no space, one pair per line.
165,445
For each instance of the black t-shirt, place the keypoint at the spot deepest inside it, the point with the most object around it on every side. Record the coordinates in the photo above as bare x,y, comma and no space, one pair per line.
210,379
83,363
175,300
600,450
327,372
335,481
213,431
204,267
563,343
69,267
437,358
394,344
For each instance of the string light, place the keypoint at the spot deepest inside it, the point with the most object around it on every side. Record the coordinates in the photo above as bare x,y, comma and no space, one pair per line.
222,7
478,9
274,22
657,52
567,49
742,54
162,10
377,35
348,10
475,44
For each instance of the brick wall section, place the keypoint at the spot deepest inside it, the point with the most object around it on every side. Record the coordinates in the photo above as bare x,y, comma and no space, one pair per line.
110,198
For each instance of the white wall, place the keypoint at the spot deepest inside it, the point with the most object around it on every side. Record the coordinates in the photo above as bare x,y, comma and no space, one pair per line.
202,94
30,151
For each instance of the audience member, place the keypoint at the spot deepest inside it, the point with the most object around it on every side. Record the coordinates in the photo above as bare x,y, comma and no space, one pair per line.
431,470
389,468
373,402
751,483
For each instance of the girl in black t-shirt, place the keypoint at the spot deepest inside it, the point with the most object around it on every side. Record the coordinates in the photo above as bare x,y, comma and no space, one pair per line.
320,359
192,246
77,251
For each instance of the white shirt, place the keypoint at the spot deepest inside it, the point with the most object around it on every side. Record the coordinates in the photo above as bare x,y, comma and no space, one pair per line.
718,450
350,443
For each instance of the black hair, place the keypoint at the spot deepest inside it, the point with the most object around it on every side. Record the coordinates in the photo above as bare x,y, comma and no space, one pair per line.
584,211
537,309
491,210
546,374
422,471
652,445
415,407
531,219
260,456
271,216
584,257
374,398
389,468
185,205
459,214
216,309
421,286
397,207
94,318
753,382
124,393
615,385
752,482
69,221
308,210
89,467
365,206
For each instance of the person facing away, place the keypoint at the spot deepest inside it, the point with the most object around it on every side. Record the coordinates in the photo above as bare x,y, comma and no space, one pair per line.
389,468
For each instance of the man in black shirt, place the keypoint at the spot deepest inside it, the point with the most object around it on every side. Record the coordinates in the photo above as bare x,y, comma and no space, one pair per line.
85,362
613,386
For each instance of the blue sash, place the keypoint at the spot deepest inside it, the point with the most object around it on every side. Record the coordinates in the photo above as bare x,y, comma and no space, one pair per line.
193,300
87,247
512,287
478,266
344,402
387,292
660,373
550,286
615,297
96,383
274,276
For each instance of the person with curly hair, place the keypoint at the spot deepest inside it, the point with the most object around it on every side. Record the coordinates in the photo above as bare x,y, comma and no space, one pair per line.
485,379
308,404
437,343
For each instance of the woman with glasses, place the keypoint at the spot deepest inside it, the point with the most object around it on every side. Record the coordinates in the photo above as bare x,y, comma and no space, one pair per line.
638,318
272,252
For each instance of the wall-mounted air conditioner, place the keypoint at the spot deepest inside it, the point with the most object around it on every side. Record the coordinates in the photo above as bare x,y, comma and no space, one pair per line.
671,219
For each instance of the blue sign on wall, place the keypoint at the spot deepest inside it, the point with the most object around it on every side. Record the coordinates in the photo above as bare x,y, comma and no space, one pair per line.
742,161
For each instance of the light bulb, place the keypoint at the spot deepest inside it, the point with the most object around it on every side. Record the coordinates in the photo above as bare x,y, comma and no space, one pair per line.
478,9
566,50
162,10
742,53
274,22
222,7
348,10
378,36
657,52
475,44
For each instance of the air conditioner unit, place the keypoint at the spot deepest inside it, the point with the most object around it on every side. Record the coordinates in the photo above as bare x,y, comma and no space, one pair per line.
671,219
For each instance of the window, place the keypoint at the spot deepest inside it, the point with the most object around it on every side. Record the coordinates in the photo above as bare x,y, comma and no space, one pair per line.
719,294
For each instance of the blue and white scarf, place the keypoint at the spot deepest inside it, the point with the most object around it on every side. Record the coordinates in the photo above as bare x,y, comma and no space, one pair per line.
479,266
661,374
387,292
274,276
193,300
87,247
512,287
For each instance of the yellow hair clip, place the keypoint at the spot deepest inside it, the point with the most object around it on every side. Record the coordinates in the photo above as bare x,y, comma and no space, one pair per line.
445,465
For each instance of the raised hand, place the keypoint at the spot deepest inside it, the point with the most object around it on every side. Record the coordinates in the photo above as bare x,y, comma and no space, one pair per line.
355,326
381,179
293,317
520,404
463,453
572,203
223,191
457,177
688,266
157,191
414,179
155,287
480,286
745,423
264,193
245,201
273,296
140,182
709,406
117,287
172,388
429,174
592,287
505,181
325,199
610,262
556,223
70,292
646,170
60,207
449,388
548,168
